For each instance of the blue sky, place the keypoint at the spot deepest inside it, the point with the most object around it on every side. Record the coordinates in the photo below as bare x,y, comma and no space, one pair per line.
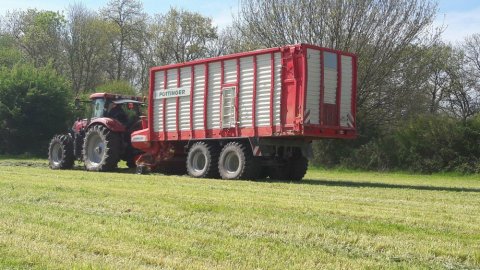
460,17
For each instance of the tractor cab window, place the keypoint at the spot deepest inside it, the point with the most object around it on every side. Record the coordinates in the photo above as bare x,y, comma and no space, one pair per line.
133,113
98,106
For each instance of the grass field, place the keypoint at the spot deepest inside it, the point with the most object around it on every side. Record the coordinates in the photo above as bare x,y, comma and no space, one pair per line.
350,220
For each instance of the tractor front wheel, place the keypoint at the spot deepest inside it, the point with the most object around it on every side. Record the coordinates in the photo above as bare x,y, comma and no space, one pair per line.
101,149
60,152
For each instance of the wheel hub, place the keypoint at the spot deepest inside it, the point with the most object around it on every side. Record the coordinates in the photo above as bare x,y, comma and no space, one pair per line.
95,149
199,161
232,162
57,154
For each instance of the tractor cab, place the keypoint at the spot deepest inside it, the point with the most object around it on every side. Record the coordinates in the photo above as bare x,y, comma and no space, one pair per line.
125,109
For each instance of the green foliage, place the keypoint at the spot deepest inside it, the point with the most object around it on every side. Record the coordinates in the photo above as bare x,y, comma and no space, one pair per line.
185,36
9,54
33,107
424,144
116,87
39,35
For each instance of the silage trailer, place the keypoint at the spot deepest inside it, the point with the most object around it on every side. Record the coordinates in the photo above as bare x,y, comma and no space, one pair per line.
248,115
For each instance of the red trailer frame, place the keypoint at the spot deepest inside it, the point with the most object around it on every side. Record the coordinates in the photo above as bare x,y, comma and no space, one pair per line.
294,82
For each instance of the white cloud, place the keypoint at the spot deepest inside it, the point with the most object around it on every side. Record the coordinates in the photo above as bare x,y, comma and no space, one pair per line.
459,24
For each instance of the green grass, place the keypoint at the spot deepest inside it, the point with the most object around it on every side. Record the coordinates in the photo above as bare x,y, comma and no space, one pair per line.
334,219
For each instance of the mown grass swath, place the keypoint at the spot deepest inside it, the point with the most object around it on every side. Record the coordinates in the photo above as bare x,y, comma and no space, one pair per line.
334,219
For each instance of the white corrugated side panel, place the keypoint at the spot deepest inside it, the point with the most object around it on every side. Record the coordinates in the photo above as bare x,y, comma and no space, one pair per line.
184,111
230,71
346,95
158,103
171,103
198,97
264,84
277,97
330,96
245,97
313,85
213,111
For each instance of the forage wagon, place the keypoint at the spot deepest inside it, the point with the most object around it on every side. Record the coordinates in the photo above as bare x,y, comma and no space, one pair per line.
248,115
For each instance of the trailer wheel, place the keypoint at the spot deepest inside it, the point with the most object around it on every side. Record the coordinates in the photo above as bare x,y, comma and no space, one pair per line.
280,172
293,169
60,152
298,168
101,149
172,167
202,160
236,162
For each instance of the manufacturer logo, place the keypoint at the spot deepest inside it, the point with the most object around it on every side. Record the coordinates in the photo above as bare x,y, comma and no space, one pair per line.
139,138
172,92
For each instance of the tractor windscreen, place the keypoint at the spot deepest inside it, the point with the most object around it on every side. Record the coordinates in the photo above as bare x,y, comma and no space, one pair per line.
98,107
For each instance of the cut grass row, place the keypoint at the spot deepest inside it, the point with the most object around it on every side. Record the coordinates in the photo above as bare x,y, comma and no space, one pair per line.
76,219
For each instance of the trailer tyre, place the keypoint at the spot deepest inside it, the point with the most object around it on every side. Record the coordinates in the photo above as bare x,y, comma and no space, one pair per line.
293,169
280,172
60,152
202,160
298,168
101,149
237,162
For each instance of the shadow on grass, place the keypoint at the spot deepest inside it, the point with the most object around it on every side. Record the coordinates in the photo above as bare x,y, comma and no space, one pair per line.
381,185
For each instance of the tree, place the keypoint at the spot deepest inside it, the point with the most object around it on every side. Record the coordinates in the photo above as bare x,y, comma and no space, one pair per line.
175,37
463,100
87,42
379,32
182,36
38,34
116,87
129,20
471,47
9,53
34,105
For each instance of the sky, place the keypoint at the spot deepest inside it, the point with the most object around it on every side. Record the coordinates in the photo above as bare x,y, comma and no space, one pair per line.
459,18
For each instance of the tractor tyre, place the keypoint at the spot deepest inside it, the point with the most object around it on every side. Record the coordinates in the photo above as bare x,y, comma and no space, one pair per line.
131,163
101,149
60,152
202,160
237,162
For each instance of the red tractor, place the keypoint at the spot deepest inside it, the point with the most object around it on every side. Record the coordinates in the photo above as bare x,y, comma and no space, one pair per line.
102,140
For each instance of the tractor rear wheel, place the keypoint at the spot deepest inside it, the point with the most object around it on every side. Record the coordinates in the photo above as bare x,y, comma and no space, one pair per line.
101,149
202,160
237,162
60,152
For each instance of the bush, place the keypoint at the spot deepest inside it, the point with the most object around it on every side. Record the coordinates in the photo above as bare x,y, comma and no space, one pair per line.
431,144
424,144
34,105
116,87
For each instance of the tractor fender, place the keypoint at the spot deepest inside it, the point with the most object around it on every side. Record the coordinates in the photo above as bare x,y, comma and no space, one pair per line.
110,123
